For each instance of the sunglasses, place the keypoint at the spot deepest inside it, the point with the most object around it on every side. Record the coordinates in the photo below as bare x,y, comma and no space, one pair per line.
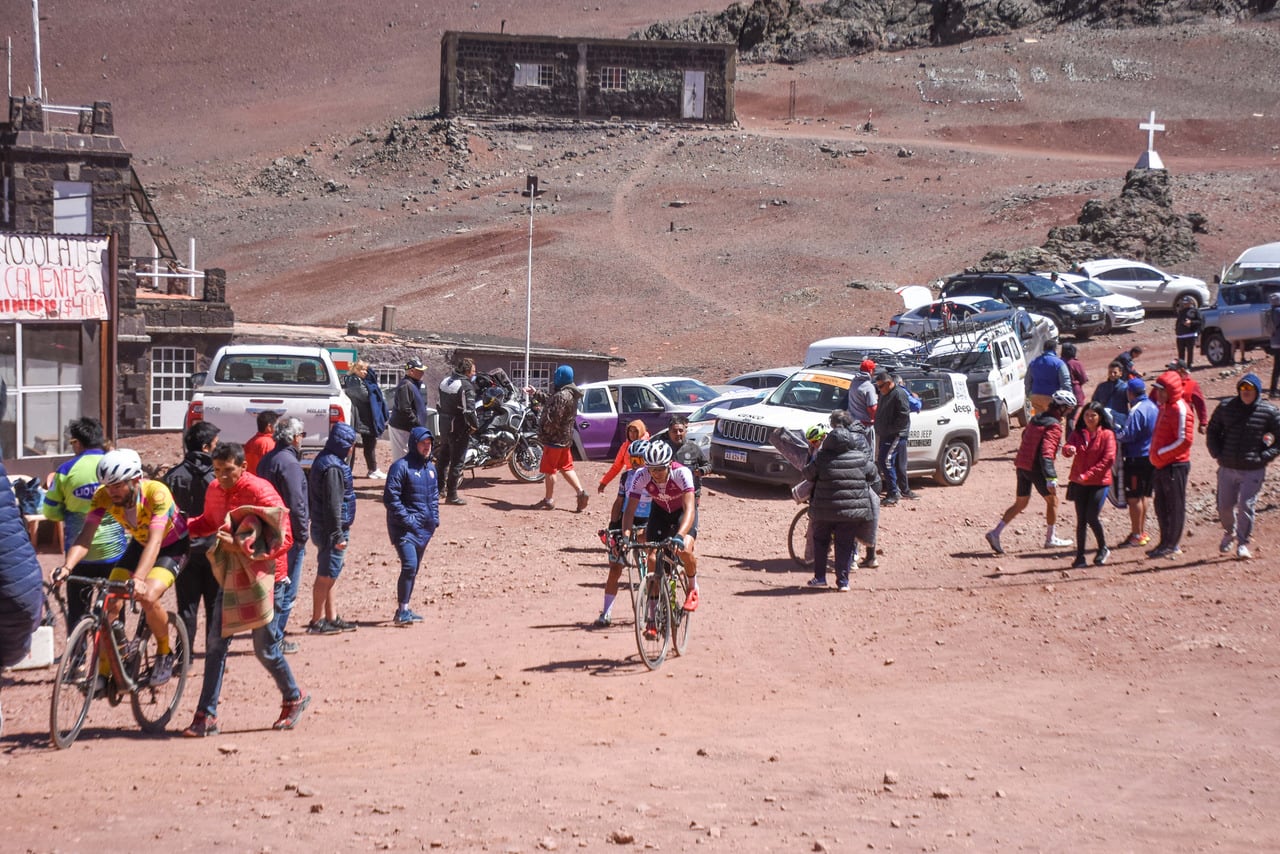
658,468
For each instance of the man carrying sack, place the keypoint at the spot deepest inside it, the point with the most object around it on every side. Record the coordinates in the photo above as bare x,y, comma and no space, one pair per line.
250,563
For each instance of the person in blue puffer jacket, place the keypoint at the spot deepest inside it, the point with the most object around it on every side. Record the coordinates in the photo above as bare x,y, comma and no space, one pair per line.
331,499
21,602
412,496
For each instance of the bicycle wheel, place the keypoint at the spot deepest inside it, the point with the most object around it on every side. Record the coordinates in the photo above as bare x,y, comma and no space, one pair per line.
653,621
681,620
73,686
154,705
799,542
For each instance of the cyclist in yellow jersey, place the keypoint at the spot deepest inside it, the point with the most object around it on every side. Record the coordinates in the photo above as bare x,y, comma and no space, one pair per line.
157,547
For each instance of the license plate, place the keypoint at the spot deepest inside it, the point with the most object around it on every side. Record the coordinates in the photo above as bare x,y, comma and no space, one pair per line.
731,456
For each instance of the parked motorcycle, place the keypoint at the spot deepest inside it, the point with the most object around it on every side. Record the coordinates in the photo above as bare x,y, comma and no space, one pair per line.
508,431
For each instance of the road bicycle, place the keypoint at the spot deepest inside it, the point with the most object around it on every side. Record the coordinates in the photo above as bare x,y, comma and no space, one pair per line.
799,541
131,660
55,607
661,620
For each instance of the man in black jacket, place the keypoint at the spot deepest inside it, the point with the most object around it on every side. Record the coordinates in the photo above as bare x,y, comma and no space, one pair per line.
1237,439
457,423
189,481
282,468
893,425
408,409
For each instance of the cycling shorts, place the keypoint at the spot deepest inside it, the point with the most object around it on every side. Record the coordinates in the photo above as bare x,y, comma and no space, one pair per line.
159,573
663,524
171,558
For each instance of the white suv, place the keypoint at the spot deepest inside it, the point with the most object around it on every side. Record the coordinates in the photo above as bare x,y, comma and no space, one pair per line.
943,440
1149,286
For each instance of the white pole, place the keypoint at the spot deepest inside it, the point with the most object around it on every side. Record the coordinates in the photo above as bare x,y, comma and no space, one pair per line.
155,265
528,293
8,60
35,25
191,283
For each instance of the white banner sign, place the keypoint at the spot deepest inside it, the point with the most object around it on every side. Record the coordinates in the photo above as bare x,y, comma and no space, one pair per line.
51,277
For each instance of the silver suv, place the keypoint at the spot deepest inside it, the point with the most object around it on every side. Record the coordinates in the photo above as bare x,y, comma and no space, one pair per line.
1239,315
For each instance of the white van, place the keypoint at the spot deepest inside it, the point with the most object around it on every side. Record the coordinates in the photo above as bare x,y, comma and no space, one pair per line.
1256,262
855,348
991,357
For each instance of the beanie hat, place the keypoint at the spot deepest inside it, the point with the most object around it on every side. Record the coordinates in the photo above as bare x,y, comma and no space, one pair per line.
563,376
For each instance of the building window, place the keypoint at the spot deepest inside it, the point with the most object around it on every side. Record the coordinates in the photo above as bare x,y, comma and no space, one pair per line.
613,78
533,74
171,370
72,207
43,366
539,372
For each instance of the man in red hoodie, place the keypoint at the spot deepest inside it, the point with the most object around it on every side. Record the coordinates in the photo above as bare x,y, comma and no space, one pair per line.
1192,393
233,487
1171,457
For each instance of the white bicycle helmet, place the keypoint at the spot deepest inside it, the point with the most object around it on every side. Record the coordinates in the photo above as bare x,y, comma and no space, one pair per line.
1063,398
658,454
638,448
119,466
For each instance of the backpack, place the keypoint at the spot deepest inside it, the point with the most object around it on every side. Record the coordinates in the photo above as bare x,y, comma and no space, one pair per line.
914,403
30,495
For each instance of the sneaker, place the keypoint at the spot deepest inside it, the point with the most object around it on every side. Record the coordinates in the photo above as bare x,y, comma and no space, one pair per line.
650,631
993,540
583,498
816,582
544,504
289,647
691,601
415,617
202,726
343,625
1101,557
377,474
890,501
162,670
1158,551
291,711
1079,562
322,627
1176,551
1243,552
455,499
1138,539
603,621
1225,545
1056,542
869,563
843,588
402,617
911,496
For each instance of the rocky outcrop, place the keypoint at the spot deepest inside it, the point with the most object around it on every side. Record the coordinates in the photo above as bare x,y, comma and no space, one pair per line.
786,31
1139,223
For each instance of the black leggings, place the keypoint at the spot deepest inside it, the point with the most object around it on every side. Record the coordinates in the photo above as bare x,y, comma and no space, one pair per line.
1089,501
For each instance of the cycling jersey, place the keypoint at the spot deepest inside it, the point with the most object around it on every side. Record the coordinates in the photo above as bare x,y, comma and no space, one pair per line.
642,504
670,495
154,500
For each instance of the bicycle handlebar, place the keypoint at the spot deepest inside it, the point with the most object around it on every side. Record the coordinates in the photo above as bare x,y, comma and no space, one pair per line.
126,587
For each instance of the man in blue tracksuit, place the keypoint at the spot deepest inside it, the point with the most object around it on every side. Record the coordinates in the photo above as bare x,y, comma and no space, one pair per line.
1134,439
282,468
412,496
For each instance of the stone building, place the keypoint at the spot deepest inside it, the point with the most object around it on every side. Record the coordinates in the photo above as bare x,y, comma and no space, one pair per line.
79,334
494,74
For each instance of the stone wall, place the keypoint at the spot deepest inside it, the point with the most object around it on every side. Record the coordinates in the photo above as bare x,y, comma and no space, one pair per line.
478,74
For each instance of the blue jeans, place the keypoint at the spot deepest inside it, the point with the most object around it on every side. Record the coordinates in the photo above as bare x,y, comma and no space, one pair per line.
411,548
287,592
266,645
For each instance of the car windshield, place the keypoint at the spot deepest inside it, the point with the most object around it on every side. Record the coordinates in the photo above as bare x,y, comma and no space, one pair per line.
1245,273
814,391
705,412
1040,286
685,391
1090,288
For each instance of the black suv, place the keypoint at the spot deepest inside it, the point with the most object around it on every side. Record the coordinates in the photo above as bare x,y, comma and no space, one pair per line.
1075,314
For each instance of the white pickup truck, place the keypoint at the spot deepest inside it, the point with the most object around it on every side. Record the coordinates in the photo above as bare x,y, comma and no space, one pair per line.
246,379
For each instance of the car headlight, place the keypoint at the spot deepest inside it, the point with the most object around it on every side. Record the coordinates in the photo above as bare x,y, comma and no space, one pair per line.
1072,308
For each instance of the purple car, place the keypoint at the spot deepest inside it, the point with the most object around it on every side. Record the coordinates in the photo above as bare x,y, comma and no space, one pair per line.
608,406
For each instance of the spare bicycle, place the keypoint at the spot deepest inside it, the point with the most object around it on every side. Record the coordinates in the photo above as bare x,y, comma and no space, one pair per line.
661,620
131,663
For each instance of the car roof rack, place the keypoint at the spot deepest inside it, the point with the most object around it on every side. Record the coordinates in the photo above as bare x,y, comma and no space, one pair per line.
970,331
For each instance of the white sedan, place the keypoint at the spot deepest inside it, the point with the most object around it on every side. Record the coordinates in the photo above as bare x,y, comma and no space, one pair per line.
1122,311
1152,287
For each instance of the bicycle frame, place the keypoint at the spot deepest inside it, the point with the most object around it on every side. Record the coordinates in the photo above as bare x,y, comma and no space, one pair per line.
104,639
659,592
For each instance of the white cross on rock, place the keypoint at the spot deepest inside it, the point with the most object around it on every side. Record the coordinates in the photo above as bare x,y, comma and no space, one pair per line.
1149,159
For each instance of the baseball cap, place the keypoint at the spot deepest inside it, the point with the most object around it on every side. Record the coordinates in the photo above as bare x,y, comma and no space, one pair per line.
880,375
1137,386
1177,365
414,364
868,365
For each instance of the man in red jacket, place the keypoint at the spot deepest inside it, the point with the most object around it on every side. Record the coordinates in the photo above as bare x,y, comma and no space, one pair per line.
234,487
1192,393
1171,458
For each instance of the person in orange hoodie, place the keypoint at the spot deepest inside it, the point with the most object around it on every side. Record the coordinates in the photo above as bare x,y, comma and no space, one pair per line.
635,430
1171,457
1192,393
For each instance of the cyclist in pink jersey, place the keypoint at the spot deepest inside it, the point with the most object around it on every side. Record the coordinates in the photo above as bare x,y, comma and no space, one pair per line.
673,512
